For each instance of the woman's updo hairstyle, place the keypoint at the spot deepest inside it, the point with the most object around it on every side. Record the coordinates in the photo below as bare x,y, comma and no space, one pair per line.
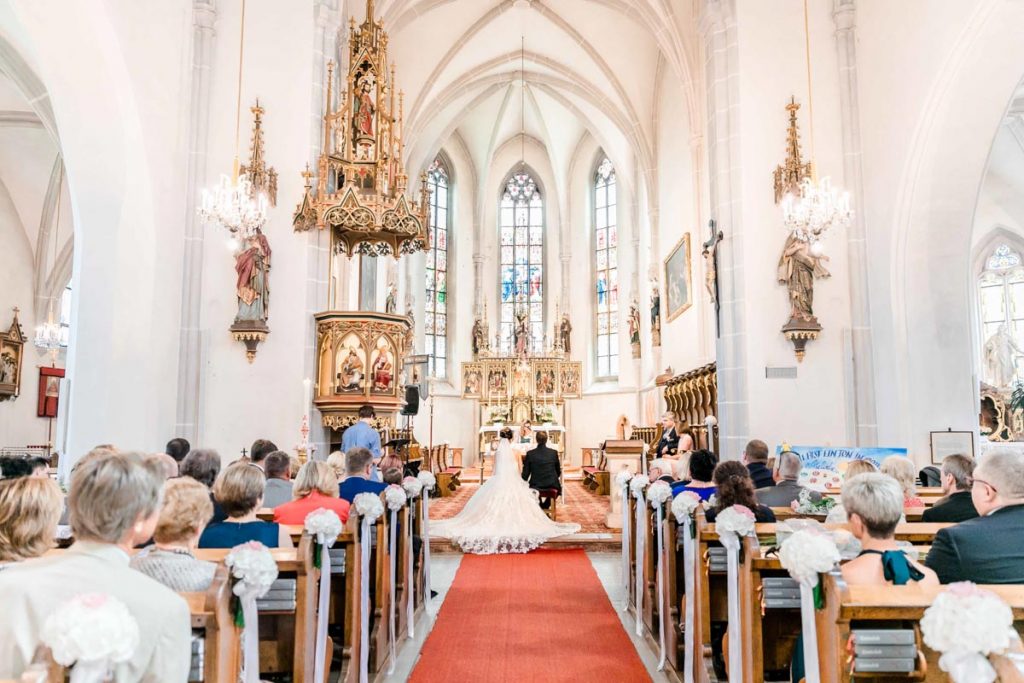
506,433
733,486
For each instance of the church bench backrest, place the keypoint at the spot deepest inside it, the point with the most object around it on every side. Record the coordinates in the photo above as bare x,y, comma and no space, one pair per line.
212,615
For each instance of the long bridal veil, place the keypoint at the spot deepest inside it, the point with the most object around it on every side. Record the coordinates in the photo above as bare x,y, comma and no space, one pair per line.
503,516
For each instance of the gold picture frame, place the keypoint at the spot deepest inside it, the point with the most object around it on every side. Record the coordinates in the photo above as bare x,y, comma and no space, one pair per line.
678,280
546,379
498,381
472,380
12,352
570,379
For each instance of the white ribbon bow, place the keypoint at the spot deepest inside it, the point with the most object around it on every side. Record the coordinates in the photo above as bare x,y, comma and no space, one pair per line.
320,653
732,553
688,618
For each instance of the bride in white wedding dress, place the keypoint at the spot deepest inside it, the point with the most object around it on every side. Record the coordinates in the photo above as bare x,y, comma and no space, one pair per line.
503,516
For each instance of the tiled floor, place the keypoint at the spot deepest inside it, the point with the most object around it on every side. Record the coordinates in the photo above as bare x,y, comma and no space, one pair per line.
608,567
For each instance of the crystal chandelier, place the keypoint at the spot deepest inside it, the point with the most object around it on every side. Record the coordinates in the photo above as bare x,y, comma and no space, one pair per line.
232,204
51,336
819,208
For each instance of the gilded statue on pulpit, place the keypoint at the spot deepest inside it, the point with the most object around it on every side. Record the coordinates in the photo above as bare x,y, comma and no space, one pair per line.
382,368
351,366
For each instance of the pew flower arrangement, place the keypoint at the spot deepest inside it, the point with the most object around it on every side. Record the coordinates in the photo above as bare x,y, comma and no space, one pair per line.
413,487
637,485
736,519
368,506
91,632
622,478
658,493
806,554
428,480
254,571
684,505
806,505
323,525
966,624
395,497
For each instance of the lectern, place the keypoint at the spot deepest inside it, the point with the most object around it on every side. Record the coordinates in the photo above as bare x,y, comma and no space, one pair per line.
621,455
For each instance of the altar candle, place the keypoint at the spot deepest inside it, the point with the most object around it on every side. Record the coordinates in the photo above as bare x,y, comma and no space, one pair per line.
307,397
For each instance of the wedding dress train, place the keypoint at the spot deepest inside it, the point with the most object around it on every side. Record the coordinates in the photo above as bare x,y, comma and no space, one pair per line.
503,516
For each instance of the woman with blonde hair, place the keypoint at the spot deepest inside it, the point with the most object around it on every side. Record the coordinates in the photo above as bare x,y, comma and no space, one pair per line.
30,508
171,559
837,515
316,487
902,470
239,490
337,462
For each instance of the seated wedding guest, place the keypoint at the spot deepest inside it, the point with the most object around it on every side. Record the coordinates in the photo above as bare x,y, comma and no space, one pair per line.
168,464
40,466
316,487
702,468
337,462
957,505
874,504
755,457
733,486
178,449
294,465
837,515
203,465
986,549
239,489
660,469
278,491
114,503
13,466
902,470
672,442
392,475
364,435
358,464
786,490
260,449
171,559
681,468
30,508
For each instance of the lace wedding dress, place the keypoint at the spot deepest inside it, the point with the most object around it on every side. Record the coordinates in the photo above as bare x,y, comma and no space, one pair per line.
503,516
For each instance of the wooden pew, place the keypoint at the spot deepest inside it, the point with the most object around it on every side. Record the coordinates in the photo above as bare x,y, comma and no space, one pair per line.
782,514
212,614
846,605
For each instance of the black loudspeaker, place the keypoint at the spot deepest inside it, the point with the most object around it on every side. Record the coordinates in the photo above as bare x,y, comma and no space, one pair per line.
412,400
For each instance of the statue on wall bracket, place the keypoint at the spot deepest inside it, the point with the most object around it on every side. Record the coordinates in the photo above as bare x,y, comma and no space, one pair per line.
655,310
252,260
565,334
799,265
634,328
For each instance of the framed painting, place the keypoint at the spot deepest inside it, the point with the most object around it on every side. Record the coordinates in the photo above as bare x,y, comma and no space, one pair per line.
545,379
472,380
678,284
49,391
570,379
12,348
382,368
951,443
498,381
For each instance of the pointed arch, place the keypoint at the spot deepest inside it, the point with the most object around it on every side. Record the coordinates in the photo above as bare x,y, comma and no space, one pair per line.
521,267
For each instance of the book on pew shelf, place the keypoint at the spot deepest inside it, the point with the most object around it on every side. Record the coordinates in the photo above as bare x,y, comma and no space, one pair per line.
781,592
276,605
862,651
900,665
782,603
779,582
283,594
883,636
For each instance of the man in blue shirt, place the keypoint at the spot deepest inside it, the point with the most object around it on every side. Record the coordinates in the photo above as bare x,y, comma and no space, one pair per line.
358,461
363,435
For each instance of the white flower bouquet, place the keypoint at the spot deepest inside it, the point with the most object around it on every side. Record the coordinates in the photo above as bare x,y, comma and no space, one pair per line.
637,485
253,567
413,487
658,493
428,480
808,553
736,519
622,478
684,505
323,525
966,624
395,497
368,506
91,632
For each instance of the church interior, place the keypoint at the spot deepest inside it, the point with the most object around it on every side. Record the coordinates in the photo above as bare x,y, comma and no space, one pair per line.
634,243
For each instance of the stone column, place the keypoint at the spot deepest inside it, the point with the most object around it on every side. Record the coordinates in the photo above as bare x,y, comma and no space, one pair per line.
204,16
725,177
326,21
865,417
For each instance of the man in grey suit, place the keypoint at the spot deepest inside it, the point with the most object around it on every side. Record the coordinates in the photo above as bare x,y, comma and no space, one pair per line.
987,549
278,490
786,490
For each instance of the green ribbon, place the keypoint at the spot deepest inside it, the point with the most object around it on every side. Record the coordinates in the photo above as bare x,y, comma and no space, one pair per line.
239,615
819,598
317,551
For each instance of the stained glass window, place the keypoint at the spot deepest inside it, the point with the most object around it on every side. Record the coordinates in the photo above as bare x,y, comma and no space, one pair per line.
435,323
1001,299
606,271
521,222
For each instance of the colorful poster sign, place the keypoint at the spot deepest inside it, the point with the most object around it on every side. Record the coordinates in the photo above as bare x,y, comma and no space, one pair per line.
823,466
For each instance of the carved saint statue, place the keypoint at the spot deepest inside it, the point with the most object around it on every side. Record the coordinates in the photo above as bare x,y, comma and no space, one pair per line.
655,314
634,328
350,372
252,265
521,334
479,337
382,371
1001,354
565,331
362,110
798,267
391,302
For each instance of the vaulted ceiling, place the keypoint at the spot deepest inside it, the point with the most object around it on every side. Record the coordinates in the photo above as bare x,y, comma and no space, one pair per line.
483,71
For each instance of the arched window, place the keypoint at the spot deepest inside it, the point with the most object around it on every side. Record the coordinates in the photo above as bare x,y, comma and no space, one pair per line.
1001,300
606,271
435,322
522,258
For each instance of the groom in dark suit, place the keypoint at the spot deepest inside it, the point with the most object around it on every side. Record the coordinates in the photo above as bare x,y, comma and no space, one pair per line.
542,468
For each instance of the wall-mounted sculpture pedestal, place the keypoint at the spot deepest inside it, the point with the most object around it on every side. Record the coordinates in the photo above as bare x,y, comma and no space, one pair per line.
250,333
800,332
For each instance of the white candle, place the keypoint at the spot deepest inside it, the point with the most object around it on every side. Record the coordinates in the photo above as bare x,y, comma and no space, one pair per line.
307,397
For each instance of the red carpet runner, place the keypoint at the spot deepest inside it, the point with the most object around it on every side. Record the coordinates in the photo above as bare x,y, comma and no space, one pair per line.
543,616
